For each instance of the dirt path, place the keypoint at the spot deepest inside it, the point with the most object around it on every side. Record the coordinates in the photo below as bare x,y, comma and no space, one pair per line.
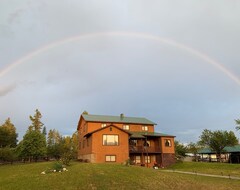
201,174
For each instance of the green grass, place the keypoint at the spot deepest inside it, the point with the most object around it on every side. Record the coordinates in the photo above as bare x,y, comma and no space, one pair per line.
209,168
104,176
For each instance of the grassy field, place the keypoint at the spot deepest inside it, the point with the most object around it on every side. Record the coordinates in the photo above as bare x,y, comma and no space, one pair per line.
104,176
209,168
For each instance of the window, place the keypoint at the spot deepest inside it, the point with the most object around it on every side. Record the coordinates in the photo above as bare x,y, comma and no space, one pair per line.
138,160
104,125
146,143
126,127
110,158
110,140
168,142
147,159
133,142
144,128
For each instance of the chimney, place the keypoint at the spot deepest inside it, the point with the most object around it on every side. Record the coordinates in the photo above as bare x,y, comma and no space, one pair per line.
121,116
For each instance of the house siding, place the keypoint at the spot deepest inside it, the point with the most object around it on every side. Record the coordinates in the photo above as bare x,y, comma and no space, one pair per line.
91,148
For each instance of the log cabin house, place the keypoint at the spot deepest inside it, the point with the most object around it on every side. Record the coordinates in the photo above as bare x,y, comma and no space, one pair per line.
119,138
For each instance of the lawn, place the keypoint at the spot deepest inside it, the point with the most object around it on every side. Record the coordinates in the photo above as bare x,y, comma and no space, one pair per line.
209,168
104,176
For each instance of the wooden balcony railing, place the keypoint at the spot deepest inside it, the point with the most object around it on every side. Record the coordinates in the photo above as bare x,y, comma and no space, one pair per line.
144,149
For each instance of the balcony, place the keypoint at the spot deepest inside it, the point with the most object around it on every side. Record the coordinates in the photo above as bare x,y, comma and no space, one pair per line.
144,149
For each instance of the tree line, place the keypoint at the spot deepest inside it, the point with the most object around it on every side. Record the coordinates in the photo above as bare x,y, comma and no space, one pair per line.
36,144
216,141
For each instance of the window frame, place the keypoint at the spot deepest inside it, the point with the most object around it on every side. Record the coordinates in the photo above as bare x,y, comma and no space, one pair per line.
138,161
107,143
103,125
144,128
110,156
167,142
126,127
147,159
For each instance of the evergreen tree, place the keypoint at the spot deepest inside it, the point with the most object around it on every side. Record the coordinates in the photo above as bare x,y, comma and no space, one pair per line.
8,135
36,121
33,145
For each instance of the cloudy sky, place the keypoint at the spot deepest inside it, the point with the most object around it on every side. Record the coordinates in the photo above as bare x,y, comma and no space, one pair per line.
176,63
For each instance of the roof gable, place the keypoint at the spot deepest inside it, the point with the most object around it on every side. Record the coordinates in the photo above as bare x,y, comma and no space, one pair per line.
117,119
108,126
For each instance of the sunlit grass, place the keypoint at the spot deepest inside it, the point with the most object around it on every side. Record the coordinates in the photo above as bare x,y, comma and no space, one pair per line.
103,176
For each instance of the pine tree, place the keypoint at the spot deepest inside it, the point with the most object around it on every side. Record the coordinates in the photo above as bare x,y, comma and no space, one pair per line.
36,121
33,145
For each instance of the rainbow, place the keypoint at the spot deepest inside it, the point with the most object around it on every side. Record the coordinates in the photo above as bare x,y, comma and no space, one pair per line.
166,41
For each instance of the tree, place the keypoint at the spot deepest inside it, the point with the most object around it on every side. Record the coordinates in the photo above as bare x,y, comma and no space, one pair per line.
36,121
75,144
193,148
180,150
33,145
44,131
85,112
217,140
238,124
8,135
8,154
54,144
67,150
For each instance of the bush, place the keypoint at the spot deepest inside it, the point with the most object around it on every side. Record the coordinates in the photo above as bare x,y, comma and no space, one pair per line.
7,154
57,166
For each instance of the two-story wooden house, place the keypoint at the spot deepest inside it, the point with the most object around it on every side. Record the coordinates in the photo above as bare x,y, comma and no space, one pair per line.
119,138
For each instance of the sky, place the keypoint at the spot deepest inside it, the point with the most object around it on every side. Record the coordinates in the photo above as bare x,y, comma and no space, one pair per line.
175,63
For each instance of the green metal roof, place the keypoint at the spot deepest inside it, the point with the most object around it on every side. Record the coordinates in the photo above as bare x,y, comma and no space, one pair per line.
117,119
148,134
227,149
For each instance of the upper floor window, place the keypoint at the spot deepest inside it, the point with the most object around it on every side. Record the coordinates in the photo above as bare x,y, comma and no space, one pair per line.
104,125
147,143
144,128
133,142
168,142
110,140
126,127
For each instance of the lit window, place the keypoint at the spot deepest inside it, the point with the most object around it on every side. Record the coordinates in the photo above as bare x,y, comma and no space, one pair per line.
104,125
147,159
168,142
126,127
144,128
110,158
110,140
138,160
